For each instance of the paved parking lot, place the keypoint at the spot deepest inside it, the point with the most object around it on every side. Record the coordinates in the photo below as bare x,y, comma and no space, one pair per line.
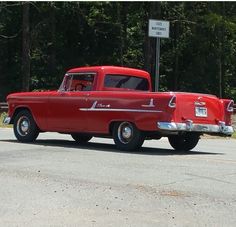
55,182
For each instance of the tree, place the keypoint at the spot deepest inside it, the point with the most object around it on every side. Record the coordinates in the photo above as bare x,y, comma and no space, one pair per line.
199,56
153,12
25,47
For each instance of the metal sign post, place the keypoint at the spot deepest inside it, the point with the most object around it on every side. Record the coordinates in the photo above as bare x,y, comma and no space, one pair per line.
157,67
158,29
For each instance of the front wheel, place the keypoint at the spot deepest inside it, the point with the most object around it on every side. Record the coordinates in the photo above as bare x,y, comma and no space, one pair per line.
184,142
127,137
25,128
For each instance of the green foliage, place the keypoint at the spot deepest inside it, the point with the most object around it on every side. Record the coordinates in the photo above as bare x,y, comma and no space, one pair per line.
2,115
199,56
234,135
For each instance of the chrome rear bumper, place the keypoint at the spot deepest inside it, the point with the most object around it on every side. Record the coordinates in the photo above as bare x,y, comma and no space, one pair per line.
190,126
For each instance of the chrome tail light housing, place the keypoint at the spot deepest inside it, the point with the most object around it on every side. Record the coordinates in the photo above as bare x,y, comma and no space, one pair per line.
230,107
172,102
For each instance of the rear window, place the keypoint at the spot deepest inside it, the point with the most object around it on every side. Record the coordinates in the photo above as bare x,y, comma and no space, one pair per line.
126,82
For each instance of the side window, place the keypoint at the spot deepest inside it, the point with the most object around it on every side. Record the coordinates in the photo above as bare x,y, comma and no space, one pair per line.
126,82
82,82
65,85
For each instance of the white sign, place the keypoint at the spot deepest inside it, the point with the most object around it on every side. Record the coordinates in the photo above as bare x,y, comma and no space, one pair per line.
159,28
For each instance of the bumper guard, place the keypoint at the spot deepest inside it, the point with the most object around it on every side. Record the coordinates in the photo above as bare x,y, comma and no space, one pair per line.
6,120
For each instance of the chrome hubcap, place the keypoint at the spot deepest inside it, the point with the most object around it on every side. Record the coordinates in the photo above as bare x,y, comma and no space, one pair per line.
23,126
125,132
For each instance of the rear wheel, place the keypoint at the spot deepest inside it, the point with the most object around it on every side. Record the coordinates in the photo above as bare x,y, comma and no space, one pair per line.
127,137
25,128
81,138
184,142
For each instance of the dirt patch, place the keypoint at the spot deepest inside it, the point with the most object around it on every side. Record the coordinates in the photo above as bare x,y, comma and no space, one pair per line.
172,193
154,191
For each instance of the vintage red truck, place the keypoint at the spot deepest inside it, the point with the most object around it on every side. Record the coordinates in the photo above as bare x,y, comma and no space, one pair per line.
118,102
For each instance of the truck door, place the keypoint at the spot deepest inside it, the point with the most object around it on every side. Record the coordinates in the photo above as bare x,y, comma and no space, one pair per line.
65,106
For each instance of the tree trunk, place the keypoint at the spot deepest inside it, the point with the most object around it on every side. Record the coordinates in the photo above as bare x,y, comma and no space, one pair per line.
176,67
122,21
25,47
52,50
154,12
223,70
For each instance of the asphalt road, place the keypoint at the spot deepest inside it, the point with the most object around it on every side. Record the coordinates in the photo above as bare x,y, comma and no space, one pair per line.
55,182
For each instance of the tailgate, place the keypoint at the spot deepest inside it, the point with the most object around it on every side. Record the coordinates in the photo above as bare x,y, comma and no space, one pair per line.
199,108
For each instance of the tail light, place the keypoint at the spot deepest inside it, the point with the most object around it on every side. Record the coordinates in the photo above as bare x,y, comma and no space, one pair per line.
172,103
229,109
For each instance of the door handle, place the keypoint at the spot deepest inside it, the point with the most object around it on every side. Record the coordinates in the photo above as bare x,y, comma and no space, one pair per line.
86,96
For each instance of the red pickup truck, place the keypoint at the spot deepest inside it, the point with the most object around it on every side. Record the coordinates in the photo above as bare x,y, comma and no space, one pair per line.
118,102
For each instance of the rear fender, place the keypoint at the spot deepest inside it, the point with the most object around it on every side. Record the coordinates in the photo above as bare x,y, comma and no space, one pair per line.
228,108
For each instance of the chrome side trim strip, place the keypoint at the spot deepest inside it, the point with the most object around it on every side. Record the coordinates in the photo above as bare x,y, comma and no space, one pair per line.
120,110
150,105
94,108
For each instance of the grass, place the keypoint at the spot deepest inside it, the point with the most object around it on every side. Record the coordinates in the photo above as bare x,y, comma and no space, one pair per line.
234,124
234,135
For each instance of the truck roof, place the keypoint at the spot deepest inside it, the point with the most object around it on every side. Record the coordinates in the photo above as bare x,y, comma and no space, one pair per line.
111,70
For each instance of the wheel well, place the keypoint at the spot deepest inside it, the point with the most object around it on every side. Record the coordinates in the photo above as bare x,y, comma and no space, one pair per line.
18,111
111,126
